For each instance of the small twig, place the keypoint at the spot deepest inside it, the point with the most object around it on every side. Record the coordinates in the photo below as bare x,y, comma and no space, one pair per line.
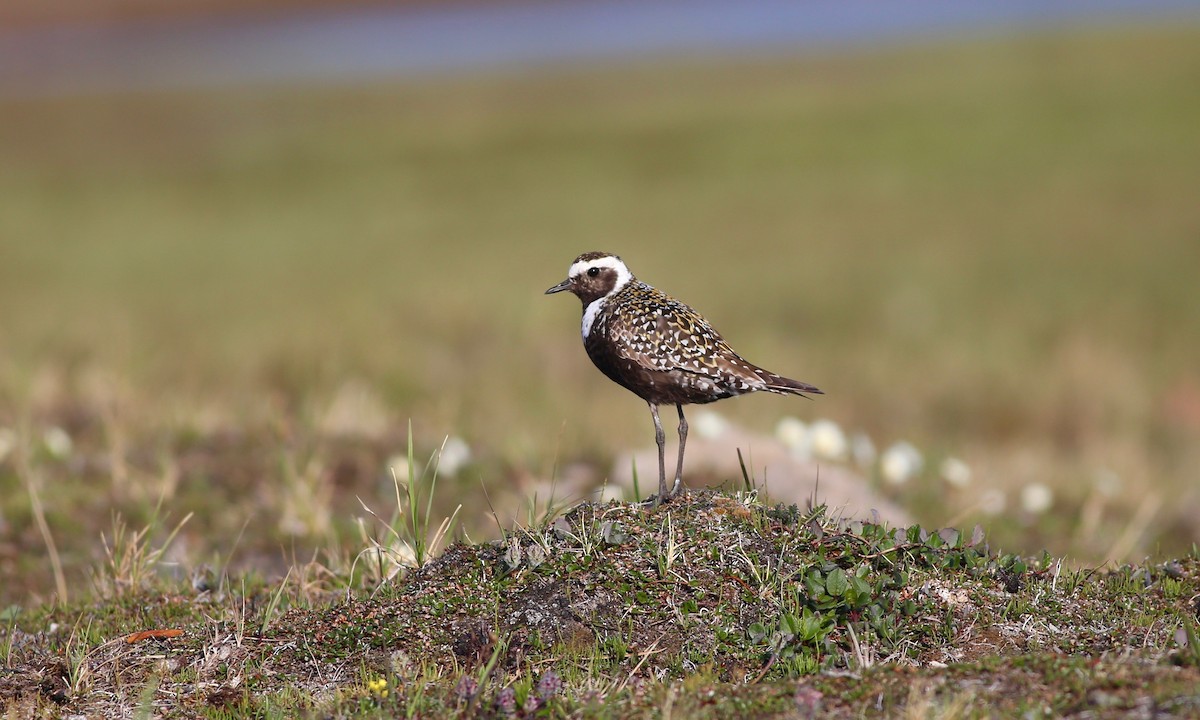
766,668
645,655
137,637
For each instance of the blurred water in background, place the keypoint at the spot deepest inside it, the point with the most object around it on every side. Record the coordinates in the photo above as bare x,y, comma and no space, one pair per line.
363,43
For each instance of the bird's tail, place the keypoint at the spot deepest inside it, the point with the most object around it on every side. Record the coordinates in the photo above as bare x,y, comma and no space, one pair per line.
787,386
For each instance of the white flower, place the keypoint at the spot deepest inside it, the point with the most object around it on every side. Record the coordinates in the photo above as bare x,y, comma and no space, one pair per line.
397,467
791,431
956,472
57,441
863,450
609,492
8,441
992,502
455,454
795,435
709,424
1036,498
900,463
1106,482
828,440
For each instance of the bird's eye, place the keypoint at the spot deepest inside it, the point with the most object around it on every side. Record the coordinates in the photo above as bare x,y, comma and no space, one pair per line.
593,272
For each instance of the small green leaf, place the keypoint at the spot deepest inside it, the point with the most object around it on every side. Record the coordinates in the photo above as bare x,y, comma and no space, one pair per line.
757,632
837,584
951,537
815,584
860,585
613,533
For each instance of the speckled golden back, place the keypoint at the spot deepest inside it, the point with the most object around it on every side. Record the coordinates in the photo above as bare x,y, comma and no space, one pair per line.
651,331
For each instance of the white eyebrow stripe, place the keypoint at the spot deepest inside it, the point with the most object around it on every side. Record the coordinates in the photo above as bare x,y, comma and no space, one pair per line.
609,261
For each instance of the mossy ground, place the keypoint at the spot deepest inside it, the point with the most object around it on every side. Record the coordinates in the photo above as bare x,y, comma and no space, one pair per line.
711,605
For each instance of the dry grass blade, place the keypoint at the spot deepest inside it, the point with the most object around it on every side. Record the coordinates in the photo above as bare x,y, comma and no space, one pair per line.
131,561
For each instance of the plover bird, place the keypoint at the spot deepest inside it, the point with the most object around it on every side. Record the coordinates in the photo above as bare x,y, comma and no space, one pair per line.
660,349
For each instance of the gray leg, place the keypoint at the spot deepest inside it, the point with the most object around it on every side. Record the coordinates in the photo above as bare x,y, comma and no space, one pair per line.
661,439
682,442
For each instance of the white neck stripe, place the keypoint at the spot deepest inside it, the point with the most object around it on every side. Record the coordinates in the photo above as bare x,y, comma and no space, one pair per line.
589,314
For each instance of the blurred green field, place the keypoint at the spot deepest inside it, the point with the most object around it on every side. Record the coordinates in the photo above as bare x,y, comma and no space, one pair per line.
989,248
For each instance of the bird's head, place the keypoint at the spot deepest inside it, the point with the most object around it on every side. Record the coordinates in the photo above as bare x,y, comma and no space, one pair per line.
594,275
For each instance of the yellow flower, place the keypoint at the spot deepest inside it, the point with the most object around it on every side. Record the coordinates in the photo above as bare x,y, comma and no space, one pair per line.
378,686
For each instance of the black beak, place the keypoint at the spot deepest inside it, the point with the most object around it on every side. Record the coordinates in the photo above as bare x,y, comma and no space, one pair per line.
564,285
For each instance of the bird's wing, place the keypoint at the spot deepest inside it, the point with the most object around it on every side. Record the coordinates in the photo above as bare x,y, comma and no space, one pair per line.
668,335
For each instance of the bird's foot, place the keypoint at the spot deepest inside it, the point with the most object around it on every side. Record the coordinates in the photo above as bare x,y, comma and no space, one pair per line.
664,495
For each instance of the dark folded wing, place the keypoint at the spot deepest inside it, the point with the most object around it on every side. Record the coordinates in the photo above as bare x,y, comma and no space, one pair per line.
666,335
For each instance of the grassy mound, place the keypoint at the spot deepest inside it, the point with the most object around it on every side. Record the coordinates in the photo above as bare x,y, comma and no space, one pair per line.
714,604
